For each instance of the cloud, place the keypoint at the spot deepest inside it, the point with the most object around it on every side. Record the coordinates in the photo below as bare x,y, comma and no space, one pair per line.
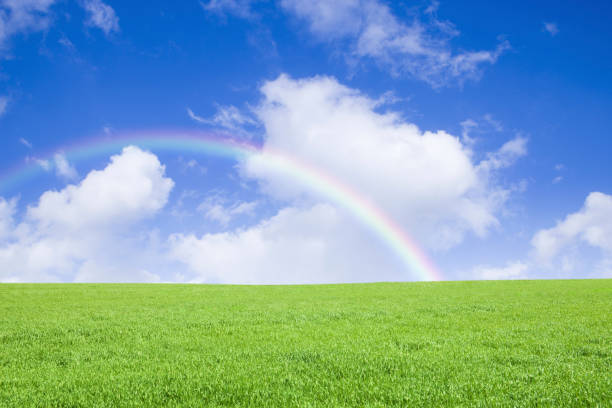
63,168
25,142
229,118
101,15
371,31
23,17
191,164
591,225
512,270
427,182
467,126
7,211
196,117
4,100
551,28
214,209
557,180
312,244
239,8
506,156
87,230
43,163
132,186
430,184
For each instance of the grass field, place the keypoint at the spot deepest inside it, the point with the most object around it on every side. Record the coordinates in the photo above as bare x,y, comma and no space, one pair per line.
521,343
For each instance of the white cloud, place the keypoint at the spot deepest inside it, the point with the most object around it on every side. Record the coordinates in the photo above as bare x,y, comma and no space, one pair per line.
4,100
101,15
214,209
495,124
506,156
426,181
557,180
467,126
298,245
196,117
63,168
421,49
591,225
132,186
239,8
191,164
7,211
512,270
551,28
43,163
227,117
86,230
25,142
23,17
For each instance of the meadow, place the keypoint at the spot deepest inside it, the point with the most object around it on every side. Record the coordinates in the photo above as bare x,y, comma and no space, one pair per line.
512,343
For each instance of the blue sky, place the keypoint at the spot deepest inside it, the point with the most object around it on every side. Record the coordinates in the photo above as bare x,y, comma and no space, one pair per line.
481,129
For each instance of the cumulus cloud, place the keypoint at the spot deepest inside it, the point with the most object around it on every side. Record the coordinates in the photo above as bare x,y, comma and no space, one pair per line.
312,244
427,181
591,225
101,15
7,211
81,231
370,29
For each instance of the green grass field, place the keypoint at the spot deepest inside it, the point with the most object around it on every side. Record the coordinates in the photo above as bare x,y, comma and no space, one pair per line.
521,343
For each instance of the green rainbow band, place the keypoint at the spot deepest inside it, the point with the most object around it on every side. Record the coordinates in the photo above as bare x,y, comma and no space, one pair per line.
414,259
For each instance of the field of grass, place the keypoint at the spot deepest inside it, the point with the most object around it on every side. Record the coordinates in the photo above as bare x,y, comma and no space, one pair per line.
521,343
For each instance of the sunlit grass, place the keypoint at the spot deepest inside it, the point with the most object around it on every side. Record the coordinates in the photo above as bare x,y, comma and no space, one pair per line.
523,343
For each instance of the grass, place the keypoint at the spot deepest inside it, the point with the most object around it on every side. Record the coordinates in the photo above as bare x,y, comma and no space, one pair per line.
521,343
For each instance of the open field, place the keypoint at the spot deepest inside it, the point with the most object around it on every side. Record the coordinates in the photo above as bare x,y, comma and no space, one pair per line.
521,343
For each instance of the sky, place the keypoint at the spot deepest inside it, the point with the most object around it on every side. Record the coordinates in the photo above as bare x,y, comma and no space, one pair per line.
292,141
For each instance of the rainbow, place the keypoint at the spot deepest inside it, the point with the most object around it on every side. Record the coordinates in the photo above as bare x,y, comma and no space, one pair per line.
413,257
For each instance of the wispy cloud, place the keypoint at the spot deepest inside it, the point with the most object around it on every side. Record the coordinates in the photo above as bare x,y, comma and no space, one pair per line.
21,17
43,163
215,209
506,156
101,15
25,142
63,168
420,48
227,117
4,100
551,28
239,8
196,117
